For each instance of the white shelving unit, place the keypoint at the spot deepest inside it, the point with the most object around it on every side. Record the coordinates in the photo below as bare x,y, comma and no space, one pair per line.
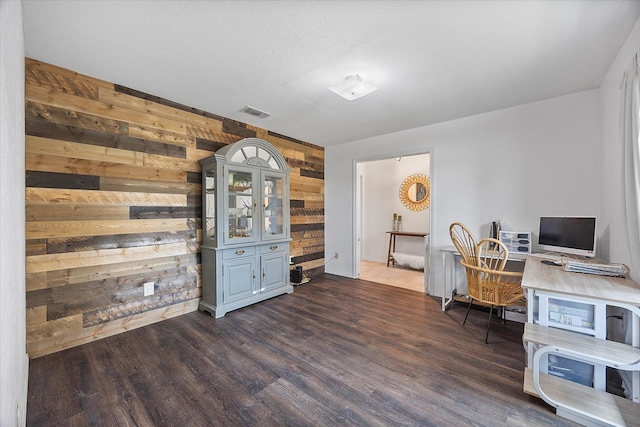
567,348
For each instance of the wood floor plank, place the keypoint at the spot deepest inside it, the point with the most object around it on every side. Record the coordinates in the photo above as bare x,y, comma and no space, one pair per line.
336,351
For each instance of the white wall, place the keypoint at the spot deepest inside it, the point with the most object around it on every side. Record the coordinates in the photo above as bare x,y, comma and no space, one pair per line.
13,356
614,244
381,181
512,165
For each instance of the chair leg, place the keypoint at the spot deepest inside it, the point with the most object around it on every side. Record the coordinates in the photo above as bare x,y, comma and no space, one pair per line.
486,337
468,309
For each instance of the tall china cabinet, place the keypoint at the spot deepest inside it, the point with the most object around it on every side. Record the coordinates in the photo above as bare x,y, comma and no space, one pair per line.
245,207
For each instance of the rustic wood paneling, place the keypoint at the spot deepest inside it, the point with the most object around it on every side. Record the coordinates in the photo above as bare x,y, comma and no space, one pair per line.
70,212
36,247
237,128
146,132
113,201
86,243
38,280
147,186
43,128
69,332
73,151
42,74
62,180
311,174
50,96
103,257
141,212
206,135
83,297
216,122
194,177
45,163
96,198
61,116
99,272
306,227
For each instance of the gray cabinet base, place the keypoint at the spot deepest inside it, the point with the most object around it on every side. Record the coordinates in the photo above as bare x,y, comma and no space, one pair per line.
219,312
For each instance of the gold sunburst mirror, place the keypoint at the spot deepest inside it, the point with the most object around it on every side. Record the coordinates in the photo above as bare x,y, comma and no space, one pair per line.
415,192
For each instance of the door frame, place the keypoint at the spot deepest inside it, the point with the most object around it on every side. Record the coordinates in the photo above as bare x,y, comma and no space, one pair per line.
358,211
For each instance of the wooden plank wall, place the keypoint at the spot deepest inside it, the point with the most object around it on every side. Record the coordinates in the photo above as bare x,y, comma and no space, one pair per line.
113,201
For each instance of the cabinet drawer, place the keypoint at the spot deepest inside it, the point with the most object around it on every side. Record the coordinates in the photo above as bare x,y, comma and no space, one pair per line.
238,252
274,247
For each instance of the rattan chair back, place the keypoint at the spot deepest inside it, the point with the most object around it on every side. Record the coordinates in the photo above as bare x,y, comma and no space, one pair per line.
464,242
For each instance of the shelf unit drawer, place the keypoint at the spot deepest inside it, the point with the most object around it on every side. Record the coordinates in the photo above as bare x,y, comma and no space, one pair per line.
517,241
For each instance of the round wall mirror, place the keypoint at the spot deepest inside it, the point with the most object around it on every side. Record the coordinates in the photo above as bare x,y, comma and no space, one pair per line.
415,192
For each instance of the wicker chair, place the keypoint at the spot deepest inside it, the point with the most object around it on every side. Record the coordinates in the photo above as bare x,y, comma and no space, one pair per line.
488,282
463,241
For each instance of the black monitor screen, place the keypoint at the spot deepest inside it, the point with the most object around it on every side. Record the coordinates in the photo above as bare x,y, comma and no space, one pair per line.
568,232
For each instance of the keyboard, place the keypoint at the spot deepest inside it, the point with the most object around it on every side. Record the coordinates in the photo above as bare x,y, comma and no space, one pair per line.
595,267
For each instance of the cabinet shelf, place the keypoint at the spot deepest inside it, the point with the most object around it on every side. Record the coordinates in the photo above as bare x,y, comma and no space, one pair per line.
585,403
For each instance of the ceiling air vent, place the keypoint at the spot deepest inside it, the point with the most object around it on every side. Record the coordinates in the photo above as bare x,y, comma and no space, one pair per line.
255,112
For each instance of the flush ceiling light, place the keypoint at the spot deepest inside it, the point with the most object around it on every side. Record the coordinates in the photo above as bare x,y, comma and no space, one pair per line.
353,87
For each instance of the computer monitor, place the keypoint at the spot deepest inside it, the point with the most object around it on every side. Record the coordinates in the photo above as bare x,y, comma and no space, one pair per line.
568,235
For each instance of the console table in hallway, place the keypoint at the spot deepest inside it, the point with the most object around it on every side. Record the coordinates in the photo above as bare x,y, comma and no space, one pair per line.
392,241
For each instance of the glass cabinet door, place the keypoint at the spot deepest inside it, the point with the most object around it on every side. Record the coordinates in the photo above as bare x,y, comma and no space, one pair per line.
240,205
273,205
210,205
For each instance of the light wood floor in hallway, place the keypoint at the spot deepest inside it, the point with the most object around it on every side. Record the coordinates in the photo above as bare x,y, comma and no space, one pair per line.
395,276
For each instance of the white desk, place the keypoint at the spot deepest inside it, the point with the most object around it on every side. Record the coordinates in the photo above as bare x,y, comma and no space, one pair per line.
449,254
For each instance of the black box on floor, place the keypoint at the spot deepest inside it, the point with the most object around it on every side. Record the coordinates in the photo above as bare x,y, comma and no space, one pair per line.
296,275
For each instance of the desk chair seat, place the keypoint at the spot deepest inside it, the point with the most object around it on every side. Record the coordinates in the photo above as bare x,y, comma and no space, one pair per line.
489,283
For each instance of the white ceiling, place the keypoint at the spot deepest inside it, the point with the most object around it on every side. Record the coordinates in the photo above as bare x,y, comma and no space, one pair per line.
433,61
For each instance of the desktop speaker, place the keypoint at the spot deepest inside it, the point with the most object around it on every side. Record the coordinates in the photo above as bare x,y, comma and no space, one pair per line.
295,275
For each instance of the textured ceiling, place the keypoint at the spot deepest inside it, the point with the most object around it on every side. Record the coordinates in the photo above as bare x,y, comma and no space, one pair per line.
433,61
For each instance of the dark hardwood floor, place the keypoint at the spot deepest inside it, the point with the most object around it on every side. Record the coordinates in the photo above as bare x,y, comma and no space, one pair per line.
335,352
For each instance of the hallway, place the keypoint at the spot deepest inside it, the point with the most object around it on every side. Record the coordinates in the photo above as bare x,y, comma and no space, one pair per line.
395,276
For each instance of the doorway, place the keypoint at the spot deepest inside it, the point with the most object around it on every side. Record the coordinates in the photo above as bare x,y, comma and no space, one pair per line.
378,183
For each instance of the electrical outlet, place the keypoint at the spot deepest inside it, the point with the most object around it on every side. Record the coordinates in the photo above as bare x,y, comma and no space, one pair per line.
149,289
290,260
336,255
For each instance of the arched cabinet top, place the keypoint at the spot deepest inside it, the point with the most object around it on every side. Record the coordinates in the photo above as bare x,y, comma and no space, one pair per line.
252,152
